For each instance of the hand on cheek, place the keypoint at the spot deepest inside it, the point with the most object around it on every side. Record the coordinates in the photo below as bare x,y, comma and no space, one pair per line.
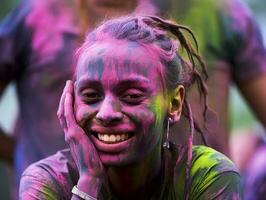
91,170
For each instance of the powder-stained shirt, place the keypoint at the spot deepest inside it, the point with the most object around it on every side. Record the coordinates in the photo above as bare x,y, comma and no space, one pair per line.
255,176
39,37
213,176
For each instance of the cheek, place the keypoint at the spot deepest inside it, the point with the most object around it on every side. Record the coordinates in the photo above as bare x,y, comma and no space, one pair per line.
150,112
150,133
140,114
83,113
145,120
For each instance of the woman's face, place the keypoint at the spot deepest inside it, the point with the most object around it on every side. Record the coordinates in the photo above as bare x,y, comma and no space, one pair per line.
119,100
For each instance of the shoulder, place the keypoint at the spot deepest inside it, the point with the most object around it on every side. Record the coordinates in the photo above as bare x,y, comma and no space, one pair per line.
51,177
230,7
206,157
208,164
235,16
55,12
213,175
15,18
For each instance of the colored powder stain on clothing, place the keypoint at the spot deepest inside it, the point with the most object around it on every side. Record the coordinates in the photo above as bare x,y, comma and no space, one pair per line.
48,194
210,157
208,182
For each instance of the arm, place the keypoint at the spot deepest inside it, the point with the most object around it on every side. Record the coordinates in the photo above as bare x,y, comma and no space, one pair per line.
7,143
254,92
11,29
41,181
83,152
248,59
36,183
54,177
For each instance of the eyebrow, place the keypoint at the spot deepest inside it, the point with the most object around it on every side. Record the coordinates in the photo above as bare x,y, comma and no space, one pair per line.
137,81
134,80
83,83
140,83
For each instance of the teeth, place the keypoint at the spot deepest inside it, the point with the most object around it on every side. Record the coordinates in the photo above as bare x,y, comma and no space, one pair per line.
110,138
123,137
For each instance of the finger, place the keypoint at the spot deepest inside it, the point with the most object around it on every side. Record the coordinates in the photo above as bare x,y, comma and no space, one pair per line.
69,87
68,111
60,113
60,110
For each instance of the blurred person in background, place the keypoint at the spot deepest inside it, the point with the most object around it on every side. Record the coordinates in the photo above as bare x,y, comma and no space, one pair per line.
233,49
37,40
248,150
5,168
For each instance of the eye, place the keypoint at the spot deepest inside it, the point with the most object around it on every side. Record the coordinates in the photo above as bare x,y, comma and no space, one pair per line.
132,96
91,96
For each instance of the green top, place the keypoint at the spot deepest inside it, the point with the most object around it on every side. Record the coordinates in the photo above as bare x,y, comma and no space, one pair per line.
213,176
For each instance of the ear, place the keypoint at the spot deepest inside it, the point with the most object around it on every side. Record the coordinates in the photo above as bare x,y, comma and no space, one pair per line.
176,102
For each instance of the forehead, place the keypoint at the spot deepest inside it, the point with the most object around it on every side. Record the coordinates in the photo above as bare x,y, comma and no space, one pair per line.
122,58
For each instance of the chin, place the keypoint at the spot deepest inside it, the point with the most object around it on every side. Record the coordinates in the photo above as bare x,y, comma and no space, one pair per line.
116,160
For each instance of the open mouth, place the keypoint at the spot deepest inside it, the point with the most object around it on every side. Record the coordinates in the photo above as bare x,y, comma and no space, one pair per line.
112,138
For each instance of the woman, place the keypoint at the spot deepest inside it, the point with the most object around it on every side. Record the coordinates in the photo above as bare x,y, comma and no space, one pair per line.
129,88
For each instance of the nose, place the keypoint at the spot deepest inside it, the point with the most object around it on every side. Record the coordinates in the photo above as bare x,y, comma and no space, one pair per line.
109,112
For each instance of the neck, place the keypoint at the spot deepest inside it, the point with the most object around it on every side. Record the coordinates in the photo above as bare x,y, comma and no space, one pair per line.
92,13
137,180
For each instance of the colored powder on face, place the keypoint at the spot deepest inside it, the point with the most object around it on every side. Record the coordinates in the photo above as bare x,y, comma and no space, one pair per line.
99,67
158,106
92,67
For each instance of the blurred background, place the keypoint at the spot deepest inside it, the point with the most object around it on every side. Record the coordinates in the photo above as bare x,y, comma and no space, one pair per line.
241,116
8,112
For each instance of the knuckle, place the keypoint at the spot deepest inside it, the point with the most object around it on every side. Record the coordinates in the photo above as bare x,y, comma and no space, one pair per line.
67,115
58,113
62,122
70,136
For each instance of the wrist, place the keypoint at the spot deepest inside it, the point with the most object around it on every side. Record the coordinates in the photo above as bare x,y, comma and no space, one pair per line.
81,194
90,185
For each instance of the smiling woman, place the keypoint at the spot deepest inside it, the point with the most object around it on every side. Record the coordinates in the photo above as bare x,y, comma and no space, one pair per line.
128,90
